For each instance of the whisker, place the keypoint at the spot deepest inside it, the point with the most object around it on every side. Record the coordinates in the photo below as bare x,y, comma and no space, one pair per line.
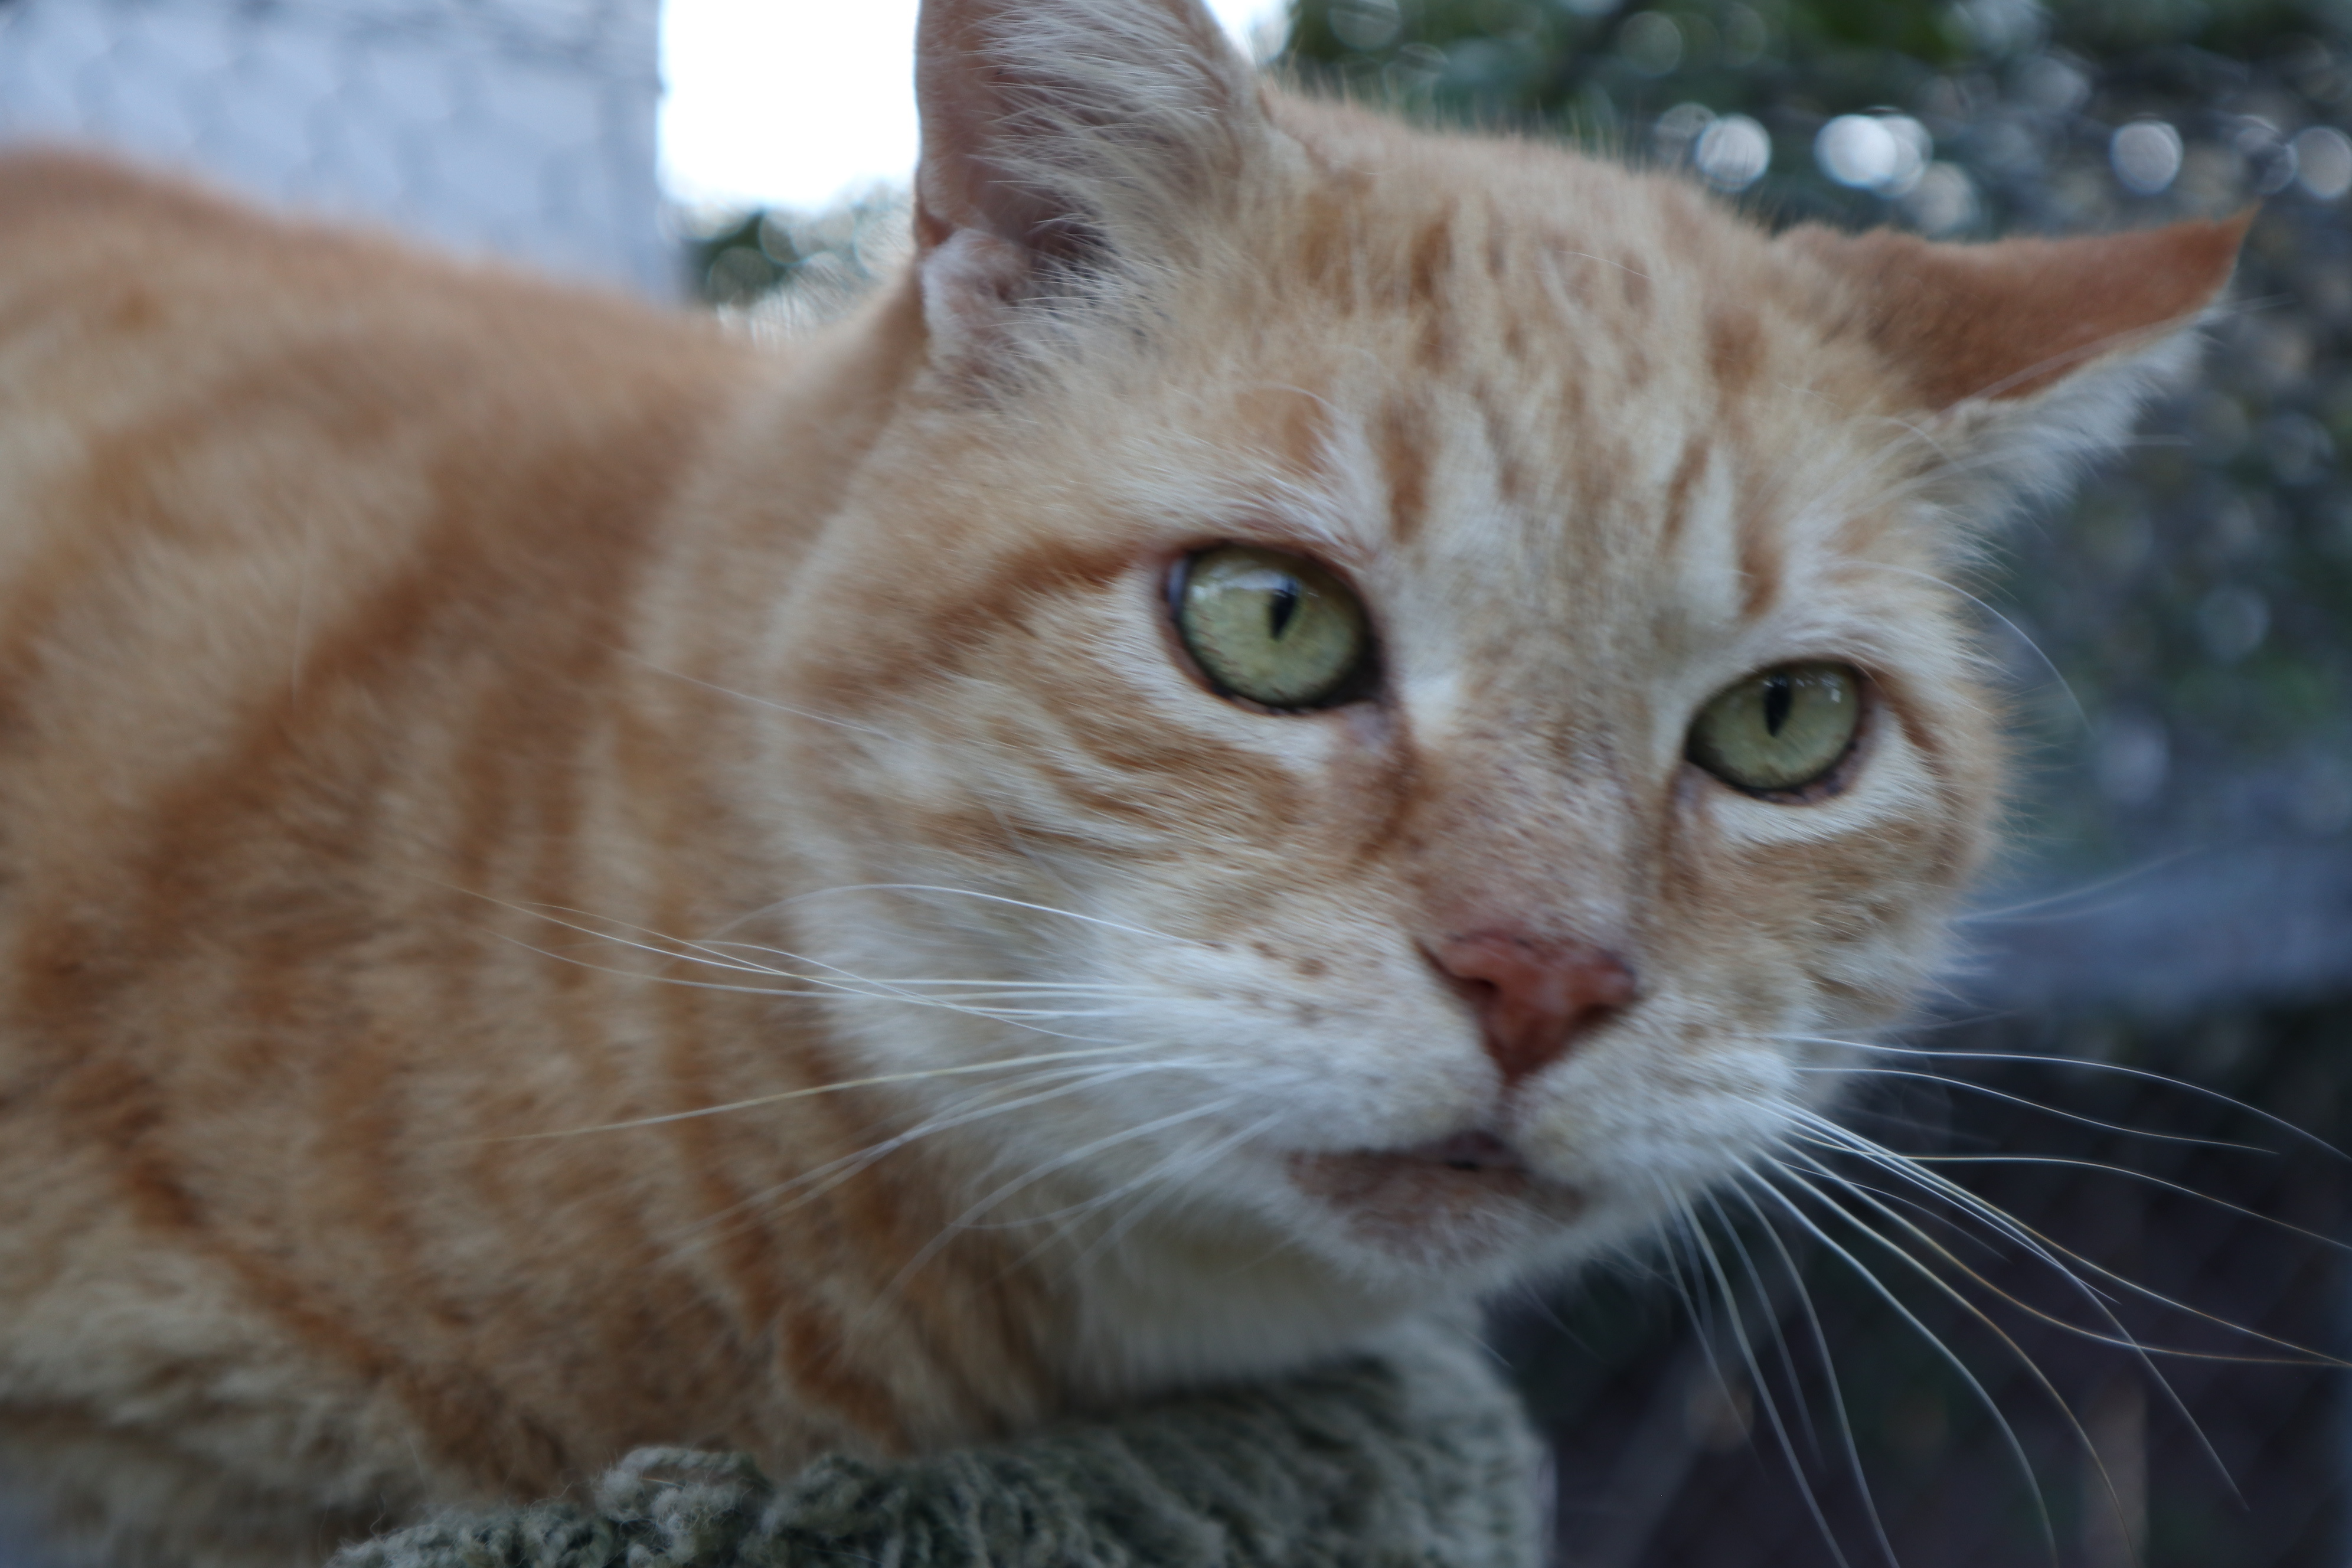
1764,1299
1988,1090
1182,1162
1739,1321
834,1172
994,898
2122,1338
1096,1201
825,990
758,702
2142,1075
814,1183
2017,631
964,1221
1056,987
2125,1170
1877,1287
848,985
552,914
836,1087
2058,1256
2105,884
1763,1393
1820,1340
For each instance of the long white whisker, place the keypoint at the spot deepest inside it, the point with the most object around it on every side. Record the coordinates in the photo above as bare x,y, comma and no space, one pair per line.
1764,1394
2017,631
1879,1288
2105,884
993,899
2035,1105
825,990
1168,1173
1730,1233
2066,1163
757,701
816,1182
846,985
1053,987
1829,1369
2121,1338
930,1248
2063,1261
837,1086
2141,1074
1095,1202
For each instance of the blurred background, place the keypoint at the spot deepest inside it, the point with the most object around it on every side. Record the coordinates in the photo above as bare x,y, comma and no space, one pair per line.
2146,1062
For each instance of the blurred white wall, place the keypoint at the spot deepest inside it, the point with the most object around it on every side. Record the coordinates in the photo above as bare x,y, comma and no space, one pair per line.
799,103
519,127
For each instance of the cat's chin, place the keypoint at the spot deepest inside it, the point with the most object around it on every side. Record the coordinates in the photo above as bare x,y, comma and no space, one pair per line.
1452,1202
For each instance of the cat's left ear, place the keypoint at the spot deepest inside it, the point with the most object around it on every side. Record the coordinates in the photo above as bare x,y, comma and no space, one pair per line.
2040,348
1067,146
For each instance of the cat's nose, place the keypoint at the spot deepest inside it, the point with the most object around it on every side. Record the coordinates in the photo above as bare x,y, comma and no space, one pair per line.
1534,995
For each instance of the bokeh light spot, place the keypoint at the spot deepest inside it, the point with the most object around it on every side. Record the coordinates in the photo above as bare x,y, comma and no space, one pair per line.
1733,152
2145,154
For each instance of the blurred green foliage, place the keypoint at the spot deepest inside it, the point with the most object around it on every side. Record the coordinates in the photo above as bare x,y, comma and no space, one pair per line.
814,263
2179,637
2197,597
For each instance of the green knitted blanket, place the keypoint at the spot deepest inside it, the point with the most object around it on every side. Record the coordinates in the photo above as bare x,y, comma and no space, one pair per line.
1416,1458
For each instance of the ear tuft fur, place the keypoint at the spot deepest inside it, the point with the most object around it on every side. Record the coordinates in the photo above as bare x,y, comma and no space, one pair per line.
2009,320
1067,145
2032,356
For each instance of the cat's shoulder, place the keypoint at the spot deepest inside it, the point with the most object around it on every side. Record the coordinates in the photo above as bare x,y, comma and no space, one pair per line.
79,229
141,299
68,212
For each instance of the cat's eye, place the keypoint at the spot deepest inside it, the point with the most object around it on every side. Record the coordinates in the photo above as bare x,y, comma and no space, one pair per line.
1779,730
1272,628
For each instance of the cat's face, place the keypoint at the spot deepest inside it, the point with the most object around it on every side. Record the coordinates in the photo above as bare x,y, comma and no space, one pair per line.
1431,944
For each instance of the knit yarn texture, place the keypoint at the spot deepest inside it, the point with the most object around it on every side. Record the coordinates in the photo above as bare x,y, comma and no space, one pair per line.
1417,1457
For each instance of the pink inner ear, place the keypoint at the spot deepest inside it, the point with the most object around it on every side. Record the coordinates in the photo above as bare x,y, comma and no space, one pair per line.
2009,319
1014,95
961,89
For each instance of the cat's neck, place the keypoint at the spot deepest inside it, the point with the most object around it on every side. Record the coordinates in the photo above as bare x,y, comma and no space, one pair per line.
802,431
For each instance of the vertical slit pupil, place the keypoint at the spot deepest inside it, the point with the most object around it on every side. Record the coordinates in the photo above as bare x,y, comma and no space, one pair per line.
1780,694
1281,606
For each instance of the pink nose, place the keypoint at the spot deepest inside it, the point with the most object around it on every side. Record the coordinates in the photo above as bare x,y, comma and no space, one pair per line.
1533,996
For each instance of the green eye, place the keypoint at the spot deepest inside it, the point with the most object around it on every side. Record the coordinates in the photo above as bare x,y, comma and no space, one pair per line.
1780,729
1272,629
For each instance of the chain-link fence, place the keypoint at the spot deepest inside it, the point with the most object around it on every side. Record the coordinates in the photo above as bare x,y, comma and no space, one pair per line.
523,128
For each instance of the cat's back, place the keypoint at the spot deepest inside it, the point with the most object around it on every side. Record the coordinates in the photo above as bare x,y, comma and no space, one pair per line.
143,321
235,447
319,562
127,290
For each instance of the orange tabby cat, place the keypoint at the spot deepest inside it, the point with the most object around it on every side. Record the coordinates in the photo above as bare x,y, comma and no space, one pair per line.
1310,717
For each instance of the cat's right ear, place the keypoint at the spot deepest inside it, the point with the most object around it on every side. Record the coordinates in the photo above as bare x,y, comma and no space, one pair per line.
2034,352
1067,145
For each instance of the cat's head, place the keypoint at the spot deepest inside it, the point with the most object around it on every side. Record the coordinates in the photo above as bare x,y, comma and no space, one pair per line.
1411,683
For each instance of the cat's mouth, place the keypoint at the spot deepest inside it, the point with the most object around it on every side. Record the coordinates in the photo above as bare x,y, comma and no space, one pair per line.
1399,1197
1474,1153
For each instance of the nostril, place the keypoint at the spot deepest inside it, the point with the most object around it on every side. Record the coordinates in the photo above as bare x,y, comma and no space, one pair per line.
1533,996
1482,995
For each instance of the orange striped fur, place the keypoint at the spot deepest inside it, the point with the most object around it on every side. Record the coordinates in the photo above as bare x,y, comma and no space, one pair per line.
453,730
